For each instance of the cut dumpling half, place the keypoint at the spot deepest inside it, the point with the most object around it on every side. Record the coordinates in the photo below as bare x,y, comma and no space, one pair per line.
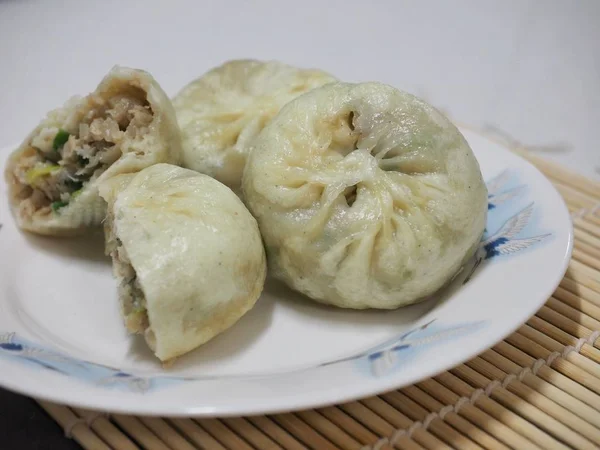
126,124
366,196
187,254
222,111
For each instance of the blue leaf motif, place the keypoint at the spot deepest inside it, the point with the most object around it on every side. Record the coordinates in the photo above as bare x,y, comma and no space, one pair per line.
11,347
496,196
383,361
135,384
490,248
505,241
44,365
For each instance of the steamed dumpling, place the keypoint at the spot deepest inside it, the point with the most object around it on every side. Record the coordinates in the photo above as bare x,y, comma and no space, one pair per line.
222,111
126,124
366,196
187,254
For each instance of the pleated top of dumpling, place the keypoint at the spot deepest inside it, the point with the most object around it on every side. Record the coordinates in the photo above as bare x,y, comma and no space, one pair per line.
222,111
366,196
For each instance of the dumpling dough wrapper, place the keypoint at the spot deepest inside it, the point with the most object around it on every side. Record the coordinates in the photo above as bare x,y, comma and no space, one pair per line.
187,254
366,196
223,110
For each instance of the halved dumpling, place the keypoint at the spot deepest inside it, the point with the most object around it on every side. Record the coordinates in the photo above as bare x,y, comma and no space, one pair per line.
126,124
187,254
222,111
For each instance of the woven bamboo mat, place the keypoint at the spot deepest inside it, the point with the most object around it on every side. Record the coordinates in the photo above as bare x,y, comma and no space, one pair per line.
538,389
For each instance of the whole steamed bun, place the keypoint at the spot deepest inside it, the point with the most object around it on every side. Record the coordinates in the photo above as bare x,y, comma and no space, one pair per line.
221,112
366,196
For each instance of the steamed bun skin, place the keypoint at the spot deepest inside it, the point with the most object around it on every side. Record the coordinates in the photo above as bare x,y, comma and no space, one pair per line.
196,251
144,143
222,111
366,196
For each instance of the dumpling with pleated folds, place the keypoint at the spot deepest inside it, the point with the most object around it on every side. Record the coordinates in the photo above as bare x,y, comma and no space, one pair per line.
366,196
223,110
187,254
126,124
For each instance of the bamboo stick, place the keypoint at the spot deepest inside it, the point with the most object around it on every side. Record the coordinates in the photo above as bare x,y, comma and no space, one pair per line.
577,200
580,291
578,302
465,436
555,340
276,433
376,424
166,433
471,435
576,315
250,433
80,432
106,430
493,423
586,249
587,226
345,422
529,411
400,422
501,412
584,236
593,219
482,373
223,434
196,434
328,429
303,432
475,415
549,374
586,272
590,200
138,431
584,258
371,420
560,396
582,279
563,366
570,326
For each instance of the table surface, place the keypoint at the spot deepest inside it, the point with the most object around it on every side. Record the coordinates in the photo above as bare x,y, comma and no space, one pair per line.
529,68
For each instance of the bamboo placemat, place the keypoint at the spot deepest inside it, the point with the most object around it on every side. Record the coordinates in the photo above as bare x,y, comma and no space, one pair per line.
538,389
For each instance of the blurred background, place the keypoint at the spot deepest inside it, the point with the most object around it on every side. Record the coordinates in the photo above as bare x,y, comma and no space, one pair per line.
530,68
526,68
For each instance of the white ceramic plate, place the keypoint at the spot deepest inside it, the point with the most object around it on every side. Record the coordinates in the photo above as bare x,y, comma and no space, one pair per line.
61,337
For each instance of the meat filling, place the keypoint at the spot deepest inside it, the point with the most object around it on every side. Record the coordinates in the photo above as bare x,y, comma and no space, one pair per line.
131,295
59,164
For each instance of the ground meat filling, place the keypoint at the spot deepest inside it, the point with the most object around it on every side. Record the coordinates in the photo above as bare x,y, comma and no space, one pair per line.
132,297
133,301
59,164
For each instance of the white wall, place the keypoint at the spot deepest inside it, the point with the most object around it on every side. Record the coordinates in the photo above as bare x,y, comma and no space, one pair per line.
530,67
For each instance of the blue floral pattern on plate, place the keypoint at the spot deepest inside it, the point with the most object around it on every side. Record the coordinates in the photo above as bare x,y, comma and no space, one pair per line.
383,359
14,347
507,239
390,355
